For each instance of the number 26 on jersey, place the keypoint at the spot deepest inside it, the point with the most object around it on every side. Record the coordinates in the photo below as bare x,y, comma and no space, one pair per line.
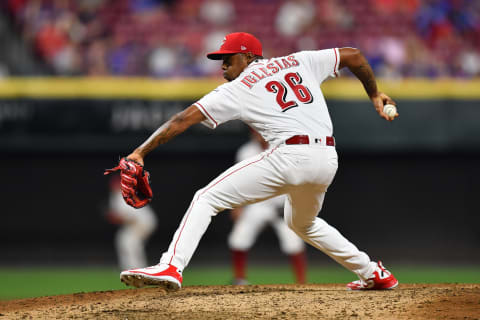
294,82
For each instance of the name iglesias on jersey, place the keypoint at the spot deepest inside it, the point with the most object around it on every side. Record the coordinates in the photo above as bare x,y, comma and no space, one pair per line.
269,70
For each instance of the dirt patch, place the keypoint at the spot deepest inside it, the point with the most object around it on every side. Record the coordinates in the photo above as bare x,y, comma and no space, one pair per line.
315,301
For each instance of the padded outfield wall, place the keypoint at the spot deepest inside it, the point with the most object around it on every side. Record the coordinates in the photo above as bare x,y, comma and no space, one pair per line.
405,190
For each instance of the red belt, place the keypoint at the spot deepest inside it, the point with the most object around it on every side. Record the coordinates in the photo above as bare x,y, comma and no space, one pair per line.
303,139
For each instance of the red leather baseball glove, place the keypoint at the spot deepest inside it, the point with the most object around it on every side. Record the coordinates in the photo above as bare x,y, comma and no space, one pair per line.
134,182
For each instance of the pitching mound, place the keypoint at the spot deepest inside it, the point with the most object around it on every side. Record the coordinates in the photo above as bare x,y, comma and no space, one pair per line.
315,301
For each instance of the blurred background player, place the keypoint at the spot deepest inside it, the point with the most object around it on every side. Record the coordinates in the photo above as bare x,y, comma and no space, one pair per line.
250,220
136,226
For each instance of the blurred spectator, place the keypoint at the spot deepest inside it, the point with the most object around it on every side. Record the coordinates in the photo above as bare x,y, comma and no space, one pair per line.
418,59
394,57
67,61
211,43
163,61
96,58
121,55
332,15
294,16
218,12
369,45
187,11
470,62
50,40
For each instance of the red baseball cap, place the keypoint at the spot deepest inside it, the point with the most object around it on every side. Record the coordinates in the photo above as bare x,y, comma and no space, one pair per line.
238,42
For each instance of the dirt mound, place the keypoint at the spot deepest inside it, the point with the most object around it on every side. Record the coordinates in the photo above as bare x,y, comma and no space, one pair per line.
314,301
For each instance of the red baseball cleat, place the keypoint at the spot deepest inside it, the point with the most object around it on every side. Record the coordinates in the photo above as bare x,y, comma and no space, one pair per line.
381,279
162,275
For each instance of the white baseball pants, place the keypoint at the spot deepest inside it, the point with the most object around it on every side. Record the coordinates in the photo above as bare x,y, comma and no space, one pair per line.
302,172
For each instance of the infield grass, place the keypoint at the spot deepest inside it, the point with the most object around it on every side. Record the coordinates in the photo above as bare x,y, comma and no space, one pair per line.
35,282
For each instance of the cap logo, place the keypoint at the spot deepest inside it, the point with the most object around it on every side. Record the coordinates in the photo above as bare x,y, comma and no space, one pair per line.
243,47
223,41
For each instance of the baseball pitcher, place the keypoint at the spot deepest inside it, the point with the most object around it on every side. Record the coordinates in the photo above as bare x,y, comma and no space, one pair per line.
282,100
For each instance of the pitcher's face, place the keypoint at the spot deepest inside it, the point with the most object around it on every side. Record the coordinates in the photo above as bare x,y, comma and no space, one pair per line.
233,65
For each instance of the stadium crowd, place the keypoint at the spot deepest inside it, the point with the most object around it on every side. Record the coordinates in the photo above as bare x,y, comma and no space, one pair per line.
169,38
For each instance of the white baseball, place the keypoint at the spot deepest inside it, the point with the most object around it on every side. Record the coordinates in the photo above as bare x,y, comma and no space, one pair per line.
390,110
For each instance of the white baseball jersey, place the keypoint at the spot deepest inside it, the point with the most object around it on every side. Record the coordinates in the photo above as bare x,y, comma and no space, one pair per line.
278,97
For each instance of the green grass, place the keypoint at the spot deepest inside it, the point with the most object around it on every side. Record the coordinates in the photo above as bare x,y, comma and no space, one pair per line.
334,274
35,282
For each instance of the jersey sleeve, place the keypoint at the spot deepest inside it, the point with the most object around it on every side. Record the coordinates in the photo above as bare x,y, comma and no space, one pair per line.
218,106
323,63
